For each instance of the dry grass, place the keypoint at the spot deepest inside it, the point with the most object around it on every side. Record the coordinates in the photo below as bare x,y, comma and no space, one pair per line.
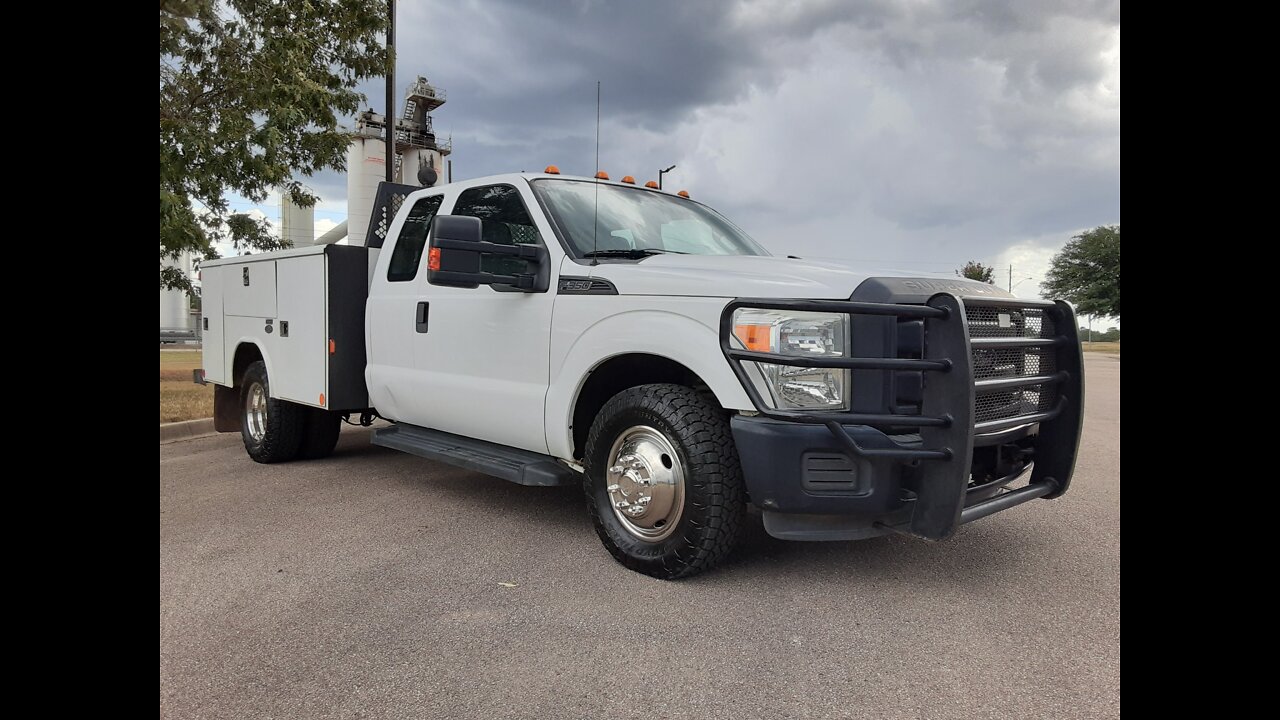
181,399
1110,348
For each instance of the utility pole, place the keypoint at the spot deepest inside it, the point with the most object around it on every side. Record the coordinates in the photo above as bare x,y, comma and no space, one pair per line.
391,90
1010,277
664,172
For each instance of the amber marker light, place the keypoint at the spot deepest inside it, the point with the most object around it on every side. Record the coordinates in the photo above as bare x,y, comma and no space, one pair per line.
754,337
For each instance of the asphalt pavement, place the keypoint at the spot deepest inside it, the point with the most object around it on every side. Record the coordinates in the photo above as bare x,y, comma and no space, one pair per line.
376,584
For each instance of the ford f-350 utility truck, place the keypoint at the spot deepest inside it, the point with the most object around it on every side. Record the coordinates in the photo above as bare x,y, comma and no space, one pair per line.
552,330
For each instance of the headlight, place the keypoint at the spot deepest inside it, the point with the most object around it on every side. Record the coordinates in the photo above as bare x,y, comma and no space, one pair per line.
806,334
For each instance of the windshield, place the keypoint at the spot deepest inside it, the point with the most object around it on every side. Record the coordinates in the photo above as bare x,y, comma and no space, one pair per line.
634,223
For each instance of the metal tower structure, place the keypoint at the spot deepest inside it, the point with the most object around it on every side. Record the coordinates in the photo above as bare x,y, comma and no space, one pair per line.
419,153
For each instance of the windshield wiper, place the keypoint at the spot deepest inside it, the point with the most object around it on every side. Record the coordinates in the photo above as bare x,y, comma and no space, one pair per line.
631,253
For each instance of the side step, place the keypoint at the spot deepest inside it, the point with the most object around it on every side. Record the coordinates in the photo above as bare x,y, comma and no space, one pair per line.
511,464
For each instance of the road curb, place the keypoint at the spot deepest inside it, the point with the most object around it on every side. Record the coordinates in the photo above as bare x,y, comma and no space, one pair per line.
185,430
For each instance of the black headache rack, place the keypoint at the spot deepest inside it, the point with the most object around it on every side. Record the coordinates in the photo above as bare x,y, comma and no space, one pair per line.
988,366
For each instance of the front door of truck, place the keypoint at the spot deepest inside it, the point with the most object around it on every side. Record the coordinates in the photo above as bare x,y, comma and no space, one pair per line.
481,355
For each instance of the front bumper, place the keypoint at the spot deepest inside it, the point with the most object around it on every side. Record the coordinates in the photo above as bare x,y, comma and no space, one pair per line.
809,487
830,476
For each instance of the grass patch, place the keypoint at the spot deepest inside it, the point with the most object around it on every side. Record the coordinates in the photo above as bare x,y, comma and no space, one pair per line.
181,399
1110,348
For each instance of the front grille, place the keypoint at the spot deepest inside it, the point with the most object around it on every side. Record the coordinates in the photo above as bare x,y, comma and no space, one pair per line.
1003,404
989,364
1009,322
995,363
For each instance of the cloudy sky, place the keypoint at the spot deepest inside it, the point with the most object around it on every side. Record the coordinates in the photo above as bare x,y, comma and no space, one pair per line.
913,135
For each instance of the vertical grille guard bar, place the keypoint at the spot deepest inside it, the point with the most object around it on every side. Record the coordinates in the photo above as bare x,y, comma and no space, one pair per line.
940,496
1060,436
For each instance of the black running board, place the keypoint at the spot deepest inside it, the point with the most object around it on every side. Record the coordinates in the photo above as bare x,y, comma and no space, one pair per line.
518,466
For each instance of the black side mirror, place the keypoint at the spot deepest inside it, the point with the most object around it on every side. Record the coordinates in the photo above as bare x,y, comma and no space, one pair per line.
455,249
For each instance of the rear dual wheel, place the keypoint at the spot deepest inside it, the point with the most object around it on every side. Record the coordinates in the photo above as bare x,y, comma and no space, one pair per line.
277,430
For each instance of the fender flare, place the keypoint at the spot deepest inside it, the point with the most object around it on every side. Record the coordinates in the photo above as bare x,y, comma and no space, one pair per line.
673,336
231,361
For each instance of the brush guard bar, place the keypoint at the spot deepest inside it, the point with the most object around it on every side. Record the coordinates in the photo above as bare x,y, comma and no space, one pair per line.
945,423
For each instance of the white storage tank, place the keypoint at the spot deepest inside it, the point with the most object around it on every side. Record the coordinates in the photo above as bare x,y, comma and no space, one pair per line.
366,167
297,223
175,309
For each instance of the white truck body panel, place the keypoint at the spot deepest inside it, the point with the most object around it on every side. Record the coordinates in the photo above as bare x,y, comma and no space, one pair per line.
589,330
482,368
731,276
283,311
250,292
301,304
216,369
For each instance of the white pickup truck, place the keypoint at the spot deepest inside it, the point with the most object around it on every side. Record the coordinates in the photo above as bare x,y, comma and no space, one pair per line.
550,330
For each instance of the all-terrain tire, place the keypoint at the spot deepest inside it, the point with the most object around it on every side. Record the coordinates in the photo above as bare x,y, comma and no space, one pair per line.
320,433
275,434
714,499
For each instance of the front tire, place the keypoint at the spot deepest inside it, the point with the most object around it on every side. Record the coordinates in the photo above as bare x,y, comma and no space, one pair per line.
663,483
271,428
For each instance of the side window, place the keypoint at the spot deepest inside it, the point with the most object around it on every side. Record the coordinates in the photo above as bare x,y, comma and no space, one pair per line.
505,221
413,237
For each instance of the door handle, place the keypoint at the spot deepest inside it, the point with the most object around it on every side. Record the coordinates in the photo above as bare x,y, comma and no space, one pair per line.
421,317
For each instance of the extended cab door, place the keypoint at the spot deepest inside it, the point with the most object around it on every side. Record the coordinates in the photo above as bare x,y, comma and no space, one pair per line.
389,314
481,354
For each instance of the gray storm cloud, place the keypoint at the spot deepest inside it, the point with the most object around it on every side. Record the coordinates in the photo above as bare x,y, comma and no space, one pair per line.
914,135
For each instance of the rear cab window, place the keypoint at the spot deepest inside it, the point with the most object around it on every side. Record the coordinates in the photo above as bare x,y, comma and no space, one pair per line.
407,254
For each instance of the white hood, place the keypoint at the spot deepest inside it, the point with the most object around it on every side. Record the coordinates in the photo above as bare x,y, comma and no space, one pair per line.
736,276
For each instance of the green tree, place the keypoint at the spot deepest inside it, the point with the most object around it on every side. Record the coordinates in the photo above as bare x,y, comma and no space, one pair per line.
251,93
1087,272
975,270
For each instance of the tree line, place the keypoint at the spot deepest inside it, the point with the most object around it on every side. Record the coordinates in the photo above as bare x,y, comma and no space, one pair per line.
1086,273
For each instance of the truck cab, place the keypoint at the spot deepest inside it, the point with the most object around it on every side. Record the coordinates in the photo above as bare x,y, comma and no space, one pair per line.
550,329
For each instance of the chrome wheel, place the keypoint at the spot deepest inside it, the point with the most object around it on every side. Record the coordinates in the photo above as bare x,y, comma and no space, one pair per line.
255,411
645,483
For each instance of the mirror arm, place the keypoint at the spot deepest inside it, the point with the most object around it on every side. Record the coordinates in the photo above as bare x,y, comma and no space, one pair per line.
521,251
522,281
